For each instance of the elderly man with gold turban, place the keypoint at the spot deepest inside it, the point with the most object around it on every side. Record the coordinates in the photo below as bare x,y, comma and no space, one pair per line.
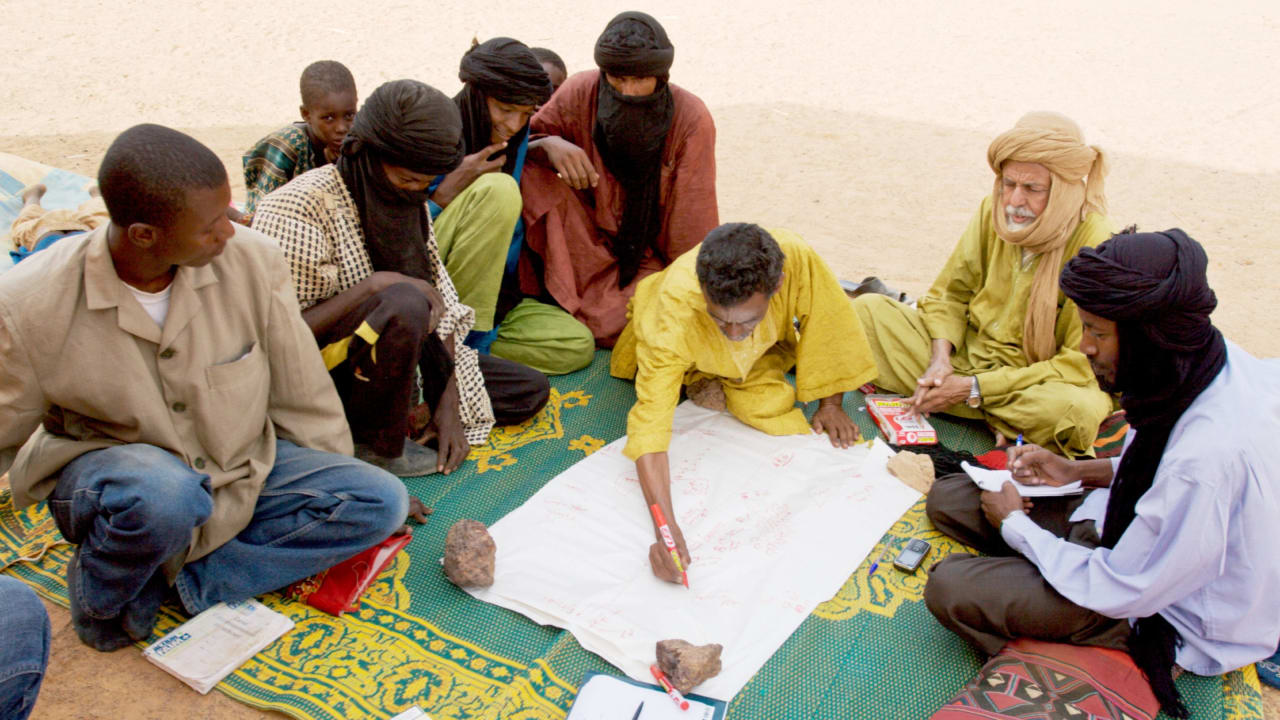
995,338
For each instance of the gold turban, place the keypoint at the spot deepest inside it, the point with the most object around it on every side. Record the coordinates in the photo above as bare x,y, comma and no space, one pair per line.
1078,170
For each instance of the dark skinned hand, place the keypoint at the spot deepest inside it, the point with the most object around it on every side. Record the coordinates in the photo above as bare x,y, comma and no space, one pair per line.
472,167
997,505
452,441
570,161
418,514
953,389
664,568
836,423
1033,465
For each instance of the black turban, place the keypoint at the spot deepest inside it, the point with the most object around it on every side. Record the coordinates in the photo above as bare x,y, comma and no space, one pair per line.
414,126
1154,287
631,132
410,124
634,44
507,71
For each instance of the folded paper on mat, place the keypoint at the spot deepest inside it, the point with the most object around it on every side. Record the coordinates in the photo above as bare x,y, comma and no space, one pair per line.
775,525
993,480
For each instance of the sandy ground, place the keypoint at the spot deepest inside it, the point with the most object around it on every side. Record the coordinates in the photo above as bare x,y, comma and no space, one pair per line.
862,126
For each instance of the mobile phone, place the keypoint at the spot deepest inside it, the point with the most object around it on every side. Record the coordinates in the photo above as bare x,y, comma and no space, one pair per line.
912,555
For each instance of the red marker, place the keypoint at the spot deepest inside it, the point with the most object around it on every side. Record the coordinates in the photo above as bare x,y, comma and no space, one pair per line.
673,693
665,530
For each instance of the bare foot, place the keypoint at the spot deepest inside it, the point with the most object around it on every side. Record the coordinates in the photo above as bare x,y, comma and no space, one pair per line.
1001,440
707,393
32,194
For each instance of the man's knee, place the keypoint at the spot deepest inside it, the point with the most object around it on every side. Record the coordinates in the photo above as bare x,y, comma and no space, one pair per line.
385,499
949,497
1071,418
945,584
577,349
406,304
142,487
870,307
499,191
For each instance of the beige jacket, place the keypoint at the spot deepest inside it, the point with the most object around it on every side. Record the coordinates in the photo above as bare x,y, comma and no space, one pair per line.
83,367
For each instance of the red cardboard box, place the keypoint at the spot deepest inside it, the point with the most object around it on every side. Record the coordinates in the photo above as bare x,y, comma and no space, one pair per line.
899,427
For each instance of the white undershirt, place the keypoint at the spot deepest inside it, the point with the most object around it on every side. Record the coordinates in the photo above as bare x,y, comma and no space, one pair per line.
156,304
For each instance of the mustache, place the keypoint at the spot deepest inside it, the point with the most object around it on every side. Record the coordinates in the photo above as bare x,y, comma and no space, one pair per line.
1019,214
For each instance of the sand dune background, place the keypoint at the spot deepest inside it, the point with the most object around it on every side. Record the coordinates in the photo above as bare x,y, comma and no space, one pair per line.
863,126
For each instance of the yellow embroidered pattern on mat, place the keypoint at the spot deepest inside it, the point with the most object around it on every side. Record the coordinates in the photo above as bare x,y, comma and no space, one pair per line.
883,592
546,425
25,534
1242,695
364,663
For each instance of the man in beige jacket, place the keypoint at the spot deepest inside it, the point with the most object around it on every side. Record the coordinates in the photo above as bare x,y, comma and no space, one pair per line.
159,387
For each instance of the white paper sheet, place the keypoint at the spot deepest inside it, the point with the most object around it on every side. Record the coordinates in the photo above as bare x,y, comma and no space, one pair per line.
993,480
775,526
605,697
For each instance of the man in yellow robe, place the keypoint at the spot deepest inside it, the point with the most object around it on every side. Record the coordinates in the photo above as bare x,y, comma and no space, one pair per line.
736,314
994,338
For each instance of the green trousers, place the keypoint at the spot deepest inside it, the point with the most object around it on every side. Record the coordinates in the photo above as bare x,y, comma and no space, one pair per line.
545,338
1058,416
474,234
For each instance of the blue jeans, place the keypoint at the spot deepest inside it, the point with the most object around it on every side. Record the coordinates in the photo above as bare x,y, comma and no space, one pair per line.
24,653
132,507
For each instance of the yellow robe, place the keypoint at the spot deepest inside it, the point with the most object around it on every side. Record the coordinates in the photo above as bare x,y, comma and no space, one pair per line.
979,304
670,340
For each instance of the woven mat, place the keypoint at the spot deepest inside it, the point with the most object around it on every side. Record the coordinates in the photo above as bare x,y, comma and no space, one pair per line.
872,651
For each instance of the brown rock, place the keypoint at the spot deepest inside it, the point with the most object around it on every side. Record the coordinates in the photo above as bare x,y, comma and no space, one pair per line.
469,554
688,665
913,469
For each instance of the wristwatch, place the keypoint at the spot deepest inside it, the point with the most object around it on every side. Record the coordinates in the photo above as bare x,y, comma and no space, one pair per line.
975,395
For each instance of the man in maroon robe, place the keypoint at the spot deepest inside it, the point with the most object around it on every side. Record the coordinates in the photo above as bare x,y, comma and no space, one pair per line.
623,182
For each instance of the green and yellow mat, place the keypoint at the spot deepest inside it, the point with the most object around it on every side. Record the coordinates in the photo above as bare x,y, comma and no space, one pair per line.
871,652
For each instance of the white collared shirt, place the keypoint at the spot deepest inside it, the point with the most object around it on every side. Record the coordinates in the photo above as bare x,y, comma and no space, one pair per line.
1201,550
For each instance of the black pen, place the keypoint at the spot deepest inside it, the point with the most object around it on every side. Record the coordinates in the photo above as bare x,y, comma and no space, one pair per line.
637,715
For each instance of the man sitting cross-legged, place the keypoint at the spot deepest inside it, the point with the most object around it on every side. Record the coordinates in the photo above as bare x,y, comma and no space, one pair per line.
994,339
328,109
169,401
1173,558
730,318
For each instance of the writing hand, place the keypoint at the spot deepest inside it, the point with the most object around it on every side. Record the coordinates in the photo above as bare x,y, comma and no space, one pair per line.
1033,465
660,560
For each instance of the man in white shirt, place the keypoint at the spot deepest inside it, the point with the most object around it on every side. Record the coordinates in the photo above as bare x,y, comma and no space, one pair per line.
1183,568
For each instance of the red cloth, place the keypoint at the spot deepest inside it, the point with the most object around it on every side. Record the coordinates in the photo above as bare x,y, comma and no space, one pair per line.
338,589
564,226
1050,681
